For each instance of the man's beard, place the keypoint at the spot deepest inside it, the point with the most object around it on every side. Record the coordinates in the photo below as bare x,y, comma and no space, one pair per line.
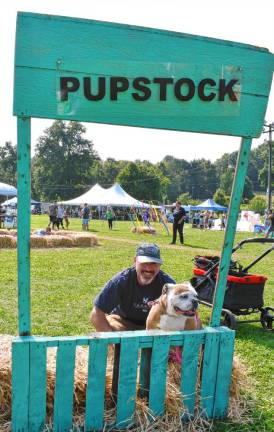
145,278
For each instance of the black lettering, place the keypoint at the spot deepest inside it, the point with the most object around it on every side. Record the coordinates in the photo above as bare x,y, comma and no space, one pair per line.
163,82
191,89
118,85
227,89
100,92
65,88
201,89
142,88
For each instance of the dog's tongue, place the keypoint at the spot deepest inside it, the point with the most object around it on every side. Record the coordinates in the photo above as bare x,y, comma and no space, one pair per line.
189,313
184,312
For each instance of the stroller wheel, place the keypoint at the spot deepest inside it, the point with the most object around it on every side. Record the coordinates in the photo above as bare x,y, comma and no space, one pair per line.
267,318
229,320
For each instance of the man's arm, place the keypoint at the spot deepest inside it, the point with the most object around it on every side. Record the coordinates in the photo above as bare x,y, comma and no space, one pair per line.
99,321
182,218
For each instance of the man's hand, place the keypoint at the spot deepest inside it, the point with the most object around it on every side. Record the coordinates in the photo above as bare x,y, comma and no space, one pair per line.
99,321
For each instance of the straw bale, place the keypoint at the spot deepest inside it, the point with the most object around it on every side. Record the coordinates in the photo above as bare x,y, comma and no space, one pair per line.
58,241
84,240
8,241
8,232
143,230
63,239
38,241
170,422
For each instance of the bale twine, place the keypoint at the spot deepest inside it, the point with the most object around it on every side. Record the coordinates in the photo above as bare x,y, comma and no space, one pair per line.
144,420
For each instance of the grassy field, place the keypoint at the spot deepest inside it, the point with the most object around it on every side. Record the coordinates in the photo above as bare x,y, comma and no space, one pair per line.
64,283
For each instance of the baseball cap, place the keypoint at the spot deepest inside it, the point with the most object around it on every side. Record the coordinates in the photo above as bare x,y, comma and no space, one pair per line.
148,252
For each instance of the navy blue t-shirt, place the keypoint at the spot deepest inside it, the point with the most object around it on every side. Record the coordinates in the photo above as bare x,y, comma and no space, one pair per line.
178,214
124,296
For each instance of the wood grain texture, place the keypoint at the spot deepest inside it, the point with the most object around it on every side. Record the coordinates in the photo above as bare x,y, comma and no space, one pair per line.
20,386
127,382
37,386
23,257
190,360
225,363
63,395
95,396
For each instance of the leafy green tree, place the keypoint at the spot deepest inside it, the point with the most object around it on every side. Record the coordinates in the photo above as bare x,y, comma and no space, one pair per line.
258,204
220,197
185,198
176,170
8,160
248,190
106,172
226,181
202,178
143,180
63,161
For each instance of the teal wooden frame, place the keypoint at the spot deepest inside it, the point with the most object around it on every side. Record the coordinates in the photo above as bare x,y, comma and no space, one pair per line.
29,376
36,95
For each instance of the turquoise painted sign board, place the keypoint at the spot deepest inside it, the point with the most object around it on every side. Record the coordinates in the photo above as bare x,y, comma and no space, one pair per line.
77,69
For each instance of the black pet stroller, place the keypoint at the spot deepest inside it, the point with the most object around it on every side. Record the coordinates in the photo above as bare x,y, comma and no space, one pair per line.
244,291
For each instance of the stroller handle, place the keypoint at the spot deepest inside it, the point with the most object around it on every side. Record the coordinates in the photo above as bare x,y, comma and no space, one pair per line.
252,240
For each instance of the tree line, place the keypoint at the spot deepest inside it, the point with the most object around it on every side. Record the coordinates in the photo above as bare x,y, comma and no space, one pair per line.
65,165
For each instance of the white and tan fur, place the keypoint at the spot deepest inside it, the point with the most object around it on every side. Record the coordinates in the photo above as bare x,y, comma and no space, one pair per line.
143,230
175,309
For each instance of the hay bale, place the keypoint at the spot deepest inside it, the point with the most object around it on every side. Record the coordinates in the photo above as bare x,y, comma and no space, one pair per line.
8,241
63,238
38,241
84,240
170,422
143,230
59,241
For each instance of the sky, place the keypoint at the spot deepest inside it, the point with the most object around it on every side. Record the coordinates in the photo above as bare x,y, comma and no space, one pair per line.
236,20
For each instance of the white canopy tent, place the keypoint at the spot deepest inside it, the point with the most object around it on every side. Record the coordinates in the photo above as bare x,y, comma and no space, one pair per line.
7,190
114,196
91,197
13,202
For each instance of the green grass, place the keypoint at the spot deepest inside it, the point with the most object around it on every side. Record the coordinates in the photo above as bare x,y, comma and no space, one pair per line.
64,283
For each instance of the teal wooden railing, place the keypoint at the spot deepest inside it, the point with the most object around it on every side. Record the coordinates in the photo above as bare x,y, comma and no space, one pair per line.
140,354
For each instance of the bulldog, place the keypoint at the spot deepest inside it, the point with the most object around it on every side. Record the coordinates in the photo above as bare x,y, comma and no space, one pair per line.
176,309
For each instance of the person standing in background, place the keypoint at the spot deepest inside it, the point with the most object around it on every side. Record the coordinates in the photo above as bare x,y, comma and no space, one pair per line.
178,222
110,217
85,217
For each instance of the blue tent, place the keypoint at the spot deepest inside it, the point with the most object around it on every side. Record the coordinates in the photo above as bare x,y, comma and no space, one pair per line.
211,205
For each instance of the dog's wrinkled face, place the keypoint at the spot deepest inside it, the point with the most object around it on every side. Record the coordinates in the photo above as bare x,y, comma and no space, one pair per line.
181,299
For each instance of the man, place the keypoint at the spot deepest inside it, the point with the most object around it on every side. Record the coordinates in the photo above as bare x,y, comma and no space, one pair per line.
178,222
85,217
270,229
124,302
53,214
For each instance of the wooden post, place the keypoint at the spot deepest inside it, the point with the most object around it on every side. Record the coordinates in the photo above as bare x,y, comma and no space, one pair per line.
235,201
23,253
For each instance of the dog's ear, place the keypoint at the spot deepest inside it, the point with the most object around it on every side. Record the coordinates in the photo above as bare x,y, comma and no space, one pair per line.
166,287
191,288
